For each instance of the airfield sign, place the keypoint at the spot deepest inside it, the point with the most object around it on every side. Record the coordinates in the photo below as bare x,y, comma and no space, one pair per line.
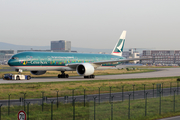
21,115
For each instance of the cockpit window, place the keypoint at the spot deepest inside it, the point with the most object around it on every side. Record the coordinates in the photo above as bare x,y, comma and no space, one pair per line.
16,58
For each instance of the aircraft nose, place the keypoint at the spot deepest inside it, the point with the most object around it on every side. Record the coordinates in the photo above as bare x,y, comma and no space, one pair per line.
10,62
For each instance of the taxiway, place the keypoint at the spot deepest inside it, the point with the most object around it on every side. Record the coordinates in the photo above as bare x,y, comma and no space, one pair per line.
160,72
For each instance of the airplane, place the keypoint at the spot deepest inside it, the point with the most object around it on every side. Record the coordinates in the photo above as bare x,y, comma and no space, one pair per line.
85,64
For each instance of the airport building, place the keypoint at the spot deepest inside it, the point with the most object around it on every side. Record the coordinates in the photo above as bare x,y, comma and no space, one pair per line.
6,51
5,55
61,46
161,56
131,54
102,53
19,51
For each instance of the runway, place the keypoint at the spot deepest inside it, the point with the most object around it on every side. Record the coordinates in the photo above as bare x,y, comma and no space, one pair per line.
161,72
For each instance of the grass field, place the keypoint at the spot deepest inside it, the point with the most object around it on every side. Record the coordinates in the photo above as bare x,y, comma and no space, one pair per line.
33,90
4,67
104,111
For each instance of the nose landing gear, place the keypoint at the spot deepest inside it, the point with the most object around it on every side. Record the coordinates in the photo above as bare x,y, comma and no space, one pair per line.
19,71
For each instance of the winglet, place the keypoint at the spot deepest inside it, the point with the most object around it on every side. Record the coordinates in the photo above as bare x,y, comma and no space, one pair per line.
118,49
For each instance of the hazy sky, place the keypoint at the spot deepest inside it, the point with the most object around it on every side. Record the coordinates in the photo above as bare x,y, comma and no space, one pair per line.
91,23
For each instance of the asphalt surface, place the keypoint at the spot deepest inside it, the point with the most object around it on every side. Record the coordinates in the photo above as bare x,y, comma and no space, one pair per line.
160,72
6,70
171,118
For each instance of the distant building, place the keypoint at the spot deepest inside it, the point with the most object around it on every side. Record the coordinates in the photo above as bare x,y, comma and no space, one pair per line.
61,46
5,55
131,54
102,53
7,51
74,51
126,54
162,56
19,51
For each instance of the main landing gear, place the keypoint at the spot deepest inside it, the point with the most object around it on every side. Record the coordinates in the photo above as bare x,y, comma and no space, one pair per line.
63,75
90,76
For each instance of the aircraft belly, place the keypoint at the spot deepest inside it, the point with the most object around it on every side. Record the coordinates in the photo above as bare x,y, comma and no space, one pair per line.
47,68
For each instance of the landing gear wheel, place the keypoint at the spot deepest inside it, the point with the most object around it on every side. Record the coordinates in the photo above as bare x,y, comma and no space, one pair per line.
17,78
90,76
63,75
67,75
59,75
28,77
86,76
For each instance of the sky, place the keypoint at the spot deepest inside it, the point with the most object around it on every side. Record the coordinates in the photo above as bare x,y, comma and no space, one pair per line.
152,24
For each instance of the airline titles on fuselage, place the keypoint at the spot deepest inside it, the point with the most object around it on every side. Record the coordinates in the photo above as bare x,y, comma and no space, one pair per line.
55,60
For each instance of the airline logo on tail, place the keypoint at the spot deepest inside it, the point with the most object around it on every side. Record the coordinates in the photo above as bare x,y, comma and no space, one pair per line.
118,49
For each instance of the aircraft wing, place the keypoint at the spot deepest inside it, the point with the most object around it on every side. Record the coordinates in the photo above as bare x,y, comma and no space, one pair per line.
122,60
110,61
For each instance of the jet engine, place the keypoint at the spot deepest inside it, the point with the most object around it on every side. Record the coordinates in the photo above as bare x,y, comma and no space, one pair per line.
38,72
85,69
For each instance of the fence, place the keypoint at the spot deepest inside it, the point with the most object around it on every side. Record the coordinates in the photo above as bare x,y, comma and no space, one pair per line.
104,104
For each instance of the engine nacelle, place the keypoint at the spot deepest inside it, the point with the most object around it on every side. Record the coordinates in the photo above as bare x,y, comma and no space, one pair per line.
85,69
38,72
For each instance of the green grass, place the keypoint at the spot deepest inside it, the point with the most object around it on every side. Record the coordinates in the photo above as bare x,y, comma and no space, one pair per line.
33,90
103,111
